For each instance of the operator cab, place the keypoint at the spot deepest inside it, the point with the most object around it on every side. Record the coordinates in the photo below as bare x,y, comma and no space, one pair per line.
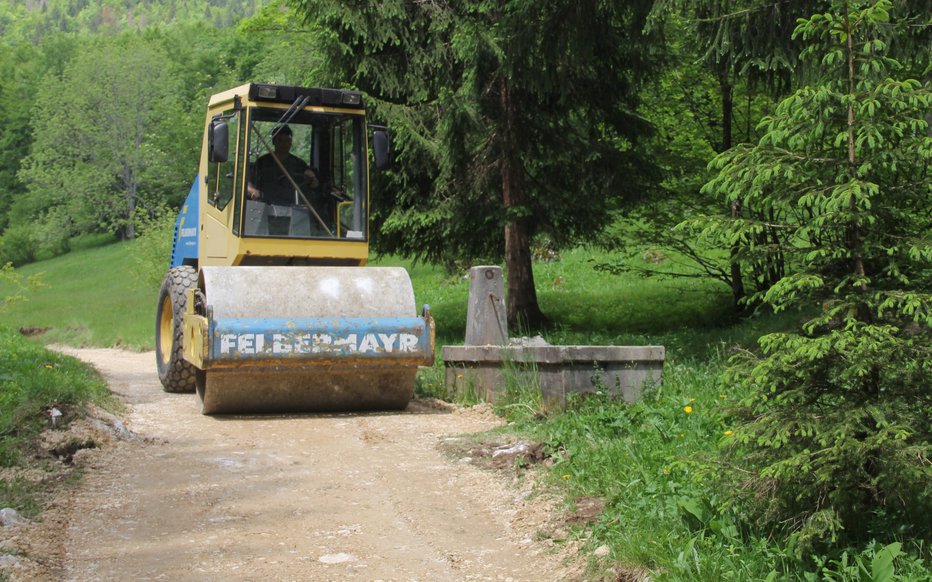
293,162
306,177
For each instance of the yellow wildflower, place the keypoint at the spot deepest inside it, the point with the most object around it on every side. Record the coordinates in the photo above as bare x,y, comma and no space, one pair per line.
566,476
729,432
688,409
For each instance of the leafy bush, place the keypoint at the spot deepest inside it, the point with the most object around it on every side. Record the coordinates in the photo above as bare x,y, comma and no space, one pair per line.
887,563
152,248
19,245
29,242
53,233
17,288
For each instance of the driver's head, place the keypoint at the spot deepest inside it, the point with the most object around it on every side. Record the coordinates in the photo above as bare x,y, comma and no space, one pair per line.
282,139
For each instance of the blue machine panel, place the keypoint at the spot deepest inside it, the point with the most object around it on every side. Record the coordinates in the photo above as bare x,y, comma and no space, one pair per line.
320,339
184,247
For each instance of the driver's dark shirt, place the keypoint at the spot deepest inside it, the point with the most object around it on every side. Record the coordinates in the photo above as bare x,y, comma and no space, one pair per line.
275,187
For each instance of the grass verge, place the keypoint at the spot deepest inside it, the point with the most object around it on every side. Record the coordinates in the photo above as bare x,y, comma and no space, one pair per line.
656,467
33,381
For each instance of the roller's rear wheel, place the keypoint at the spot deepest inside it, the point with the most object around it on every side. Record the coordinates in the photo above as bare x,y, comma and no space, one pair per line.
175,373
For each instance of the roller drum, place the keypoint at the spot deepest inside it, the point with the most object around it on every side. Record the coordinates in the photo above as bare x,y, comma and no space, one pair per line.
368,371
304,292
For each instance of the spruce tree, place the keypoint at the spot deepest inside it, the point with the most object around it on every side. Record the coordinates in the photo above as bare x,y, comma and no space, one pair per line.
837,424
509,116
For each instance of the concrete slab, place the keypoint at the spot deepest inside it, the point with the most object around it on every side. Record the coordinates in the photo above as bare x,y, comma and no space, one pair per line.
622,371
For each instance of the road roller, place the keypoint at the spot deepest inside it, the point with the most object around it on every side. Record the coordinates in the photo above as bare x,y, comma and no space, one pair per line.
268,305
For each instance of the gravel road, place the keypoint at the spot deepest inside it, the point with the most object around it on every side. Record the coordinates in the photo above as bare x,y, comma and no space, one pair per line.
289,497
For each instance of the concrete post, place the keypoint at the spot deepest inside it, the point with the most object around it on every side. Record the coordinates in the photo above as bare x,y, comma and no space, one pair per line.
486,322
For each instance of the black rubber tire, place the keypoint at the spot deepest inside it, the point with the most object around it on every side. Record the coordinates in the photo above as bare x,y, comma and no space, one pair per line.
175,373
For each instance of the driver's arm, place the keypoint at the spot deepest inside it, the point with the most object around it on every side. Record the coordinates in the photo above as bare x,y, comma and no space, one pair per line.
311,176
251,190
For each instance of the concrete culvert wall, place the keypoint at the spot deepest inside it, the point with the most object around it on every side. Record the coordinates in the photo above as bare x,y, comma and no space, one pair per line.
489,360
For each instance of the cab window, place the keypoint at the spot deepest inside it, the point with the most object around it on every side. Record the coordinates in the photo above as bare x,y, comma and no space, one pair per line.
305,175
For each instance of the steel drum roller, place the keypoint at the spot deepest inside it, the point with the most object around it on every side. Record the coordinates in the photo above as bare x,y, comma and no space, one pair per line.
284,339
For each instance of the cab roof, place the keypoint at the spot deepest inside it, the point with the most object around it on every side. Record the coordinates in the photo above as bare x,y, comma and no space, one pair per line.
309,96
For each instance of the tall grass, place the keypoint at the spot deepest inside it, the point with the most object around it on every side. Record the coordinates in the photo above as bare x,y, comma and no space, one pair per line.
657,466
101,296
692,318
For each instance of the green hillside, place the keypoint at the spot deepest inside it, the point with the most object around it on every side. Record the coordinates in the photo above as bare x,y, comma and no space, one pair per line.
91,297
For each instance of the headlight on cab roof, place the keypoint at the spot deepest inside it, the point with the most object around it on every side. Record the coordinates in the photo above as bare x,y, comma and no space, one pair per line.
352,98
266,91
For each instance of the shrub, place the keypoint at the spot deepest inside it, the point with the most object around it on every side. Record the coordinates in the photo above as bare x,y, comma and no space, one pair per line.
153,245
16,286
19,245
54,239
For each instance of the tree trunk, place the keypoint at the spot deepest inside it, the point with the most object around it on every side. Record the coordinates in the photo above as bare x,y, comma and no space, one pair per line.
854,230
737,281
129,230
523,311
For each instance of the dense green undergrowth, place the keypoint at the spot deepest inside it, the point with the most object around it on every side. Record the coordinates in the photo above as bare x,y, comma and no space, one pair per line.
659,468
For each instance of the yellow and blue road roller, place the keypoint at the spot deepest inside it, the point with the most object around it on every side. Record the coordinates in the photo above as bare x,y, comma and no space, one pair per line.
268,305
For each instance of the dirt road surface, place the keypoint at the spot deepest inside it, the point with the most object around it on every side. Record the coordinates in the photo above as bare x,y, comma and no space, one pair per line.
300,497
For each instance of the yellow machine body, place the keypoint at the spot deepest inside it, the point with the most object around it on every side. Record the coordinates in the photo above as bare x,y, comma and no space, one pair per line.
268,304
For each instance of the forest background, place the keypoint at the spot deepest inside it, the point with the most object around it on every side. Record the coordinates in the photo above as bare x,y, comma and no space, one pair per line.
777,147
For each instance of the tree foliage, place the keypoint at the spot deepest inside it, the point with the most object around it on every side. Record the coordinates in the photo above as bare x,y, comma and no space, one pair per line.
17,287
20,68
34,21
62,110
103,139
730,59
509,116
838,424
